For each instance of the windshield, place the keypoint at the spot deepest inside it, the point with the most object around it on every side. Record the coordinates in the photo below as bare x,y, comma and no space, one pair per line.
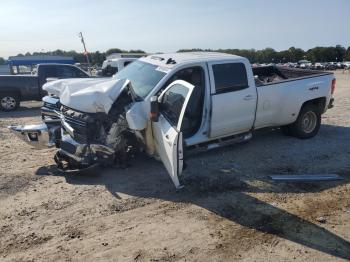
143,77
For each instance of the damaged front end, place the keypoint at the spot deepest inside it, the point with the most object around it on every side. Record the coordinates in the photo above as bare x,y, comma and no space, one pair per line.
82,135
75,157
95,139
98,135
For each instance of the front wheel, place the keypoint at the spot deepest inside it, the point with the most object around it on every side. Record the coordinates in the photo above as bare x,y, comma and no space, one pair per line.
307,124
9,102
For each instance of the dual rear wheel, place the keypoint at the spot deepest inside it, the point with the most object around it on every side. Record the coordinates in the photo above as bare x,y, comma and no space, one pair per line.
307,124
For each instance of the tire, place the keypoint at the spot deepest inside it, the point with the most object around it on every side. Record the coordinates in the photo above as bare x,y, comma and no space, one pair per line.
308,122
9,102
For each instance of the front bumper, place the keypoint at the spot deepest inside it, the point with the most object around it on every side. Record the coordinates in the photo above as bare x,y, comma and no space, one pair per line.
73,156
44,135
39,136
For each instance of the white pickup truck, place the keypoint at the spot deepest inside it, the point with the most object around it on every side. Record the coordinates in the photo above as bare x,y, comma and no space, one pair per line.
167,103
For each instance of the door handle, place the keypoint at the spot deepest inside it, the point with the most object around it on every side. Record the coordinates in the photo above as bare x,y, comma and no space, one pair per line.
248,97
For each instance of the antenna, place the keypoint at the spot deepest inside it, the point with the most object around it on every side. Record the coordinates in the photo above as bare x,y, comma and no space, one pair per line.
86,52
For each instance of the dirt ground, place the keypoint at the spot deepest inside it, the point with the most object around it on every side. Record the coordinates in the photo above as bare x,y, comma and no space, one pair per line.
229,209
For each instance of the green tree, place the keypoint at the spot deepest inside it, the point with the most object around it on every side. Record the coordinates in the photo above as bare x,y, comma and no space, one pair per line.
340,52
97,58
295,54
347,55
137,51
114,50
2,61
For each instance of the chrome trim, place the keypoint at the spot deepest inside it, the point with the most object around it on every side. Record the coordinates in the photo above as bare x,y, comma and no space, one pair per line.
38,136
67,127
49,112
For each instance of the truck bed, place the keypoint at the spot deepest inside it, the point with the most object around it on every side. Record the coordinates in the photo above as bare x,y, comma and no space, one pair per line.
267,75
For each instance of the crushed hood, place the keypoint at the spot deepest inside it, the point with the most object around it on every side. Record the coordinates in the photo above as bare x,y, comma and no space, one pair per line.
87,95
55,87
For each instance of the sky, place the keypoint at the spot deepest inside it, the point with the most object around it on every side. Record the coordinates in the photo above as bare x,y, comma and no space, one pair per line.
169,25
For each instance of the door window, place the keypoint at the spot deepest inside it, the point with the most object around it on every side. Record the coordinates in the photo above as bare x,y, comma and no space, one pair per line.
79,73
194,110
230,77
65,72
50,71
172,103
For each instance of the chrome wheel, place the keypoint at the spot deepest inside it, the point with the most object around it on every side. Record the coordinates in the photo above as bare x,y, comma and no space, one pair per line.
8,103
309,122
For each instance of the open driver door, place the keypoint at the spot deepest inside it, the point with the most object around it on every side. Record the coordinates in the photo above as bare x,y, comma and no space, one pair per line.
166,125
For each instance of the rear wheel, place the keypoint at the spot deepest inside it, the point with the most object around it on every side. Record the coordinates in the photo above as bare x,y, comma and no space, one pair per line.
9,102
307,124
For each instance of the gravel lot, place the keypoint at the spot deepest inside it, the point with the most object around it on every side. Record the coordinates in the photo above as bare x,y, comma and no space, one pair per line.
229,209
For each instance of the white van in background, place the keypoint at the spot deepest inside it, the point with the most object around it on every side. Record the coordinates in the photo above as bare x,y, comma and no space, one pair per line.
116,62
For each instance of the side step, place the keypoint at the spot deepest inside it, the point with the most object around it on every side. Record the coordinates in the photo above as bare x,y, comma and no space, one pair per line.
220,142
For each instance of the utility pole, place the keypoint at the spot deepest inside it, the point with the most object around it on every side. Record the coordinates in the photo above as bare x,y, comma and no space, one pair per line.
86,53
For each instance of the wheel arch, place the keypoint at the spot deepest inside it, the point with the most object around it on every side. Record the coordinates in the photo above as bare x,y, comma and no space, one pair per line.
11,91
319,102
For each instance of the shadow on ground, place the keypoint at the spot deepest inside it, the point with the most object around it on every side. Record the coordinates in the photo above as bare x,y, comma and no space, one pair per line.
225,195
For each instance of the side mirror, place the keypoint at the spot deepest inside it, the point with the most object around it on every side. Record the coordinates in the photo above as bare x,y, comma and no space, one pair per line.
154,115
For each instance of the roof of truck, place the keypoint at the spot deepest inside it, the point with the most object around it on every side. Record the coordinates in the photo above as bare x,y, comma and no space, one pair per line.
172,59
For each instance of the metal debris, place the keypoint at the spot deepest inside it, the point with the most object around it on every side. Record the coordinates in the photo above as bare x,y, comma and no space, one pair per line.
322,220
306,178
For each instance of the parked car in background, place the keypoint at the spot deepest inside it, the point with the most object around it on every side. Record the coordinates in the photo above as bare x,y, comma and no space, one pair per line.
330,66
318,66
304,64
346,65
116,62
17,88
167,103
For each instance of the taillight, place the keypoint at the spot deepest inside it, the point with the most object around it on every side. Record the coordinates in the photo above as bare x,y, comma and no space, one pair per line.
333,86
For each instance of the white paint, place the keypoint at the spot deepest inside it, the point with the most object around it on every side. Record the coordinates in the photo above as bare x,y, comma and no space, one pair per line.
88,95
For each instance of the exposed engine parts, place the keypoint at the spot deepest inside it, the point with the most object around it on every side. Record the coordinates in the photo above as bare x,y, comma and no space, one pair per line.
89,139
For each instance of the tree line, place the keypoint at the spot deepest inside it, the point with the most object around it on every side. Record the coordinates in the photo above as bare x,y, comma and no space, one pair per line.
267,55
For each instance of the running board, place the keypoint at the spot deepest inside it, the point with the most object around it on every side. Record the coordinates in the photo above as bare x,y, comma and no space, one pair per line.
220,142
